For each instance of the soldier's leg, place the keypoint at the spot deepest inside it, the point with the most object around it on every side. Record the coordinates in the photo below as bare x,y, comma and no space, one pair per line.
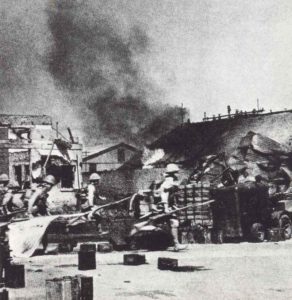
174,223
174,230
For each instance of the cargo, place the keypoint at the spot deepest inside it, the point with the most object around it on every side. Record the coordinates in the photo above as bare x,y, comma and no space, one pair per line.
134,259
4,294
167,263
88,247
85,284
65,288
86,260
105,247
15,276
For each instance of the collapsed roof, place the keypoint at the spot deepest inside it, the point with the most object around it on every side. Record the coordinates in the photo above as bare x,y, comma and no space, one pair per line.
255,155
189,142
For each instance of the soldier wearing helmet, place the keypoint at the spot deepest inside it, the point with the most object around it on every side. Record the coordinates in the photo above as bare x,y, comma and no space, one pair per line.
4,179
93,197
37,199
167,193
10,199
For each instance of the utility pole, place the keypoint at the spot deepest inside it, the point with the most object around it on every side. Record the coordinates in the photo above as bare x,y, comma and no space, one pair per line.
182,113
57,129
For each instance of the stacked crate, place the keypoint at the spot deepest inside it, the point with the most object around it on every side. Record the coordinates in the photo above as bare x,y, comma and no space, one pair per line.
198,193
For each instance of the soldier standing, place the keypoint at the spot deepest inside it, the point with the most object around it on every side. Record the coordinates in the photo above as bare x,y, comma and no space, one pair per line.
93,191
167,193
4,179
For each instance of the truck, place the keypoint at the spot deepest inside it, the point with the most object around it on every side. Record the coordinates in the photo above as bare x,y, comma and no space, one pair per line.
247,212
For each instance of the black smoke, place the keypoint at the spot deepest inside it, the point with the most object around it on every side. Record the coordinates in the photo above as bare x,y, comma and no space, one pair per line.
84,67
100,65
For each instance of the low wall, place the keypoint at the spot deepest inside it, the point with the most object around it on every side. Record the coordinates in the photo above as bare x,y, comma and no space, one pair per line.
125,182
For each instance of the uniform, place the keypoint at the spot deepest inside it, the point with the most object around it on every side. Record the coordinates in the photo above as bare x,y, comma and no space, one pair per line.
37,203
37,198
12,200
168,189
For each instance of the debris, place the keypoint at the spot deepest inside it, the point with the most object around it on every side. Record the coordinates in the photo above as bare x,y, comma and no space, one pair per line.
167,263
88,247
62,288
4,294
15,276
105,247
134,259
38,271
86,260
85,284
275,235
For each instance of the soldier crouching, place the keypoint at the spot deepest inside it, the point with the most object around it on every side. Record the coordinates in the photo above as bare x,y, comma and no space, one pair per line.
36,199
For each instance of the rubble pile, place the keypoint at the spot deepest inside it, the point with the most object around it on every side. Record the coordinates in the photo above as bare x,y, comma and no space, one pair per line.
255,155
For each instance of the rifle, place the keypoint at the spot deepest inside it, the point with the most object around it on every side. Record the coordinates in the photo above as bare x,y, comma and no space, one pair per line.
9,215
151,220
93,211
109,205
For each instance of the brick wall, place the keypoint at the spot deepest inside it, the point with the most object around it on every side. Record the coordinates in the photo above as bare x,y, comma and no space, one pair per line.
3,133
4,161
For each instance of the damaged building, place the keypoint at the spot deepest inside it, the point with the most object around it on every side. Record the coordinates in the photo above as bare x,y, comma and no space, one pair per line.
107,157
32,147
187,143
190,143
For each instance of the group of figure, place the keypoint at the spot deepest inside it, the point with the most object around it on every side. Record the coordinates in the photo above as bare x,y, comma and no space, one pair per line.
33,198
161,197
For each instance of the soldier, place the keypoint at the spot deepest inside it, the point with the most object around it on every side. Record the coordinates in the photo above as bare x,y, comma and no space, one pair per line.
10,201
4,180
37,199
4,250
93,191
82,197
168,188
156,193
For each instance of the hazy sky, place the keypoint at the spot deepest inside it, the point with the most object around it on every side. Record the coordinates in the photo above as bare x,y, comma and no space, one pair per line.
208,54
204,54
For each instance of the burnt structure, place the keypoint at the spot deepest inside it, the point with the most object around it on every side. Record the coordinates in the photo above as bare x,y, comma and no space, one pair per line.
189,142
30,147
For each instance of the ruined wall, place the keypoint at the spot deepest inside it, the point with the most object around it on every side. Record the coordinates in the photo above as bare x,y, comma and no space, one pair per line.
19,158
191,141
3,133
124,182
25,119
4,161
275,126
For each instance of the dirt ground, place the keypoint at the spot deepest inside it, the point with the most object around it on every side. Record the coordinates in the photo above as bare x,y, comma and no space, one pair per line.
228,271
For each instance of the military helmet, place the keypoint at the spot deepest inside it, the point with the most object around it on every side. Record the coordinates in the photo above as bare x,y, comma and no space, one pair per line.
94,177
144,192
13,184
172,168
4,177
50,179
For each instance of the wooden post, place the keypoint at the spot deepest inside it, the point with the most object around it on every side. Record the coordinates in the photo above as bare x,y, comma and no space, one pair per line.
48,157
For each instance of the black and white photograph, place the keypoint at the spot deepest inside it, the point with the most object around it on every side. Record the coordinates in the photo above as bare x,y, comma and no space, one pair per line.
145,149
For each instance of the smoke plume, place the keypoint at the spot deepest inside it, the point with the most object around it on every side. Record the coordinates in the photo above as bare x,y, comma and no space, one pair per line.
82,66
